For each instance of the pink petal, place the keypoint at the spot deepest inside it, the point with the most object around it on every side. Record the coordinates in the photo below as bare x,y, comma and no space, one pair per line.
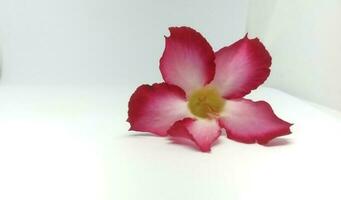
241,67
155,108
188,59
201,131
249,122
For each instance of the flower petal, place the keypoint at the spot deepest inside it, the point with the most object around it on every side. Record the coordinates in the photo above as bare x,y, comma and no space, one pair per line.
249,122
155,108
201,131
188,59
241,67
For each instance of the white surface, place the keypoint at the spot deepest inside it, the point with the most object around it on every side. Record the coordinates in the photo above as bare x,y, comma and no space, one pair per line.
72,143
103,41
303,37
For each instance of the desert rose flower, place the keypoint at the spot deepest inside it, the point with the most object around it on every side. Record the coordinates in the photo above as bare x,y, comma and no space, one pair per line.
203,93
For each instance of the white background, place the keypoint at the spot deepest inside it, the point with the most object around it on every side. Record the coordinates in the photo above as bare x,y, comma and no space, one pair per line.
103,41
70,66
303,37
114,42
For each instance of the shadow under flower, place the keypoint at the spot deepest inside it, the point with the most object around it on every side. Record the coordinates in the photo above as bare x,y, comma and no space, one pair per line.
189,144
181,142
141,135
278,142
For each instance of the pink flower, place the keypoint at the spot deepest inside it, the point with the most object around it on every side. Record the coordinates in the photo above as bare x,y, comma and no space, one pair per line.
203,93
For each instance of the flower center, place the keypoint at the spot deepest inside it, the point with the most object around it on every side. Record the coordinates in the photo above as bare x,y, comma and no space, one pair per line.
206,103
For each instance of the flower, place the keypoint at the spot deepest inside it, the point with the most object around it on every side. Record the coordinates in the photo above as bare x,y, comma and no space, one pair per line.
203,93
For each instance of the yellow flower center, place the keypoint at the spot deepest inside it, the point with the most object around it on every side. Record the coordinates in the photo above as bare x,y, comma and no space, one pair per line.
206,103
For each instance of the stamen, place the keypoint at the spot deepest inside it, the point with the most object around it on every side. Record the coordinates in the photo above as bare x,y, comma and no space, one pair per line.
206,103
